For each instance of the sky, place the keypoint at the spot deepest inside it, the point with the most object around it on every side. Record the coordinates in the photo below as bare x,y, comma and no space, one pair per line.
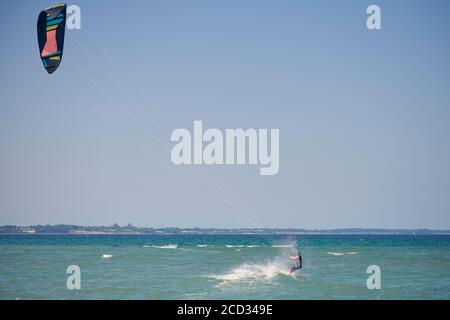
363,115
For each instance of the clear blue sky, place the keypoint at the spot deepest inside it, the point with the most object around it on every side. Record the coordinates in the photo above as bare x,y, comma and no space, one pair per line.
364,116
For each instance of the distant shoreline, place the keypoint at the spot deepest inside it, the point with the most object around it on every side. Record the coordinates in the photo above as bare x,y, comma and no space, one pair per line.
229,233
132,230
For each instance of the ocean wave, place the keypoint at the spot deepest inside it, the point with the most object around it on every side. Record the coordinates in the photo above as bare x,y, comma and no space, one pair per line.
107,256
234,246
341,253
166,246
204,245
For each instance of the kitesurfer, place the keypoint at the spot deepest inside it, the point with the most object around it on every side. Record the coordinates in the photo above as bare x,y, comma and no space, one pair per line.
298,259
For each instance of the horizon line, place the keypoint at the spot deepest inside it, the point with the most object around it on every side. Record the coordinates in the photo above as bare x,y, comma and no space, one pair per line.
224,228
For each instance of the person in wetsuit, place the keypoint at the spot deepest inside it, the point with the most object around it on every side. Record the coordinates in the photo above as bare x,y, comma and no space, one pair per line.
298,260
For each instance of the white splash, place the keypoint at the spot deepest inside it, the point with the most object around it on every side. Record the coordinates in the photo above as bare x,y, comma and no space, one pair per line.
250,273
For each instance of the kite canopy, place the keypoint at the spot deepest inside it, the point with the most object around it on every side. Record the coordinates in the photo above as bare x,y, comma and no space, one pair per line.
50,31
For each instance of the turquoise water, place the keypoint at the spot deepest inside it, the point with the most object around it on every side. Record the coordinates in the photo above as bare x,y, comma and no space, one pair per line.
223,266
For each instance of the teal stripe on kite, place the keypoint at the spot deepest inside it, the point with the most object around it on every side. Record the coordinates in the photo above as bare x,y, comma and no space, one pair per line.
53,22
58,16
52,54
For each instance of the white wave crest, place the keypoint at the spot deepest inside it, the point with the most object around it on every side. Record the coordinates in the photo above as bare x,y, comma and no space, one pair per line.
107,256
341,253
166,246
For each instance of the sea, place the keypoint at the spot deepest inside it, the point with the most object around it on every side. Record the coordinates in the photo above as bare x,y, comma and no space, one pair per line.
231,266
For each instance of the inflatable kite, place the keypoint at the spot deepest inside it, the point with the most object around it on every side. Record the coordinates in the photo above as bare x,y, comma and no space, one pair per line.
50,31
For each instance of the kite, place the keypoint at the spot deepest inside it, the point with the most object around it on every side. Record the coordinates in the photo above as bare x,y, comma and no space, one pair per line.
50,32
